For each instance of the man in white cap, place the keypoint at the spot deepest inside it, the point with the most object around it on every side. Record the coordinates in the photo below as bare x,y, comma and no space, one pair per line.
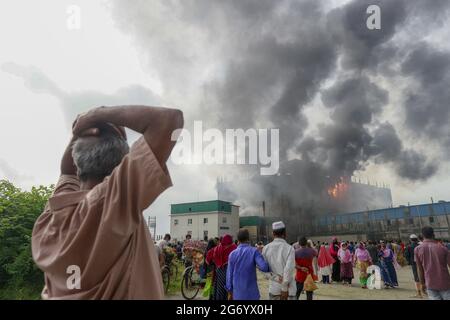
281,258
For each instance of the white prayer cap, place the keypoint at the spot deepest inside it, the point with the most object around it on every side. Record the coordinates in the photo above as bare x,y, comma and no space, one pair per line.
278,225
413,236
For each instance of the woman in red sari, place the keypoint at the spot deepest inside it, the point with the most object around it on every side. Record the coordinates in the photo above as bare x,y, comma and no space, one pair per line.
219,257
336,270
325,262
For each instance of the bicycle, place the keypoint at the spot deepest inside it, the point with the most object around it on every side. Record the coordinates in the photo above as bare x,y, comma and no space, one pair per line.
192,281
169,270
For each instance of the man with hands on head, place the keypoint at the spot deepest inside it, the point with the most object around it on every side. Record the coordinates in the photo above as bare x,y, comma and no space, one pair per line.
92,241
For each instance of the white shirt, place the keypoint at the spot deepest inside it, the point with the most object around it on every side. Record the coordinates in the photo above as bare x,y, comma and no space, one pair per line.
281,258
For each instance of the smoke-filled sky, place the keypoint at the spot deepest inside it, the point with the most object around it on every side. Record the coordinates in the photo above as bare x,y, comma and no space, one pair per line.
368,103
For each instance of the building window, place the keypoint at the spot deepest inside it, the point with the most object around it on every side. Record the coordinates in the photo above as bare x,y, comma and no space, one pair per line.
431,219
205,220
175,222
189,221
224,220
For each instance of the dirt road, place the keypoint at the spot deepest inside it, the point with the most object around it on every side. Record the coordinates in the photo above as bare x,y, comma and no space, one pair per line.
405,290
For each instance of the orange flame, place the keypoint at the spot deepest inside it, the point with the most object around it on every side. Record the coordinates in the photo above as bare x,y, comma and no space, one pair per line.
338,189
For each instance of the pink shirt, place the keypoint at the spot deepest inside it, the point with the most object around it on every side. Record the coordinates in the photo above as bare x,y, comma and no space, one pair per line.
434,259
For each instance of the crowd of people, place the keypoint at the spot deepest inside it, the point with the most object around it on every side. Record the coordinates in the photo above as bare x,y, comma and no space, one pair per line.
292,269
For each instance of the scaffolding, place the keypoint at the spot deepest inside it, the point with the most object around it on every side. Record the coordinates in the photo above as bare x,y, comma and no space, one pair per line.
152,226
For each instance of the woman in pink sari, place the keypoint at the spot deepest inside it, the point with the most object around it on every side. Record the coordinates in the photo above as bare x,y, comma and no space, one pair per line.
363,261
346,259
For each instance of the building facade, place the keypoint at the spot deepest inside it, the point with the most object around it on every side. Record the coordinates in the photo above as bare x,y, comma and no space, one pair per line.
288,198
389,223
203,220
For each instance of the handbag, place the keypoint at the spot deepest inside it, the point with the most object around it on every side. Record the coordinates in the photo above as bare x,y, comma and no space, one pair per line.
208,289
309,284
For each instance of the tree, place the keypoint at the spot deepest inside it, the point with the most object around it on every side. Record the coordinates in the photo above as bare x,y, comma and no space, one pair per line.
19,276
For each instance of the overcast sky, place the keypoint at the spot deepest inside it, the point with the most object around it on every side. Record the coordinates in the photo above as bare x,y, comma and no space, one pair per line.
154,53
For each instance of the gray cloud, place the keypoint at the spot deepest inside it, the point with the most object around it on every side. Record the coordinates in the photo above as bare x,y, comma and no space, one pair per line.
272,55
345,143
362,48
427,103
409,164
260,63
269,59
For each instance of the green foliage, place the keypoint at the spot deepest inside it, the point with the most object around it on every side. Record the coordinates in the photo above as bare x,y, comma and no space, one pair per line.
19,276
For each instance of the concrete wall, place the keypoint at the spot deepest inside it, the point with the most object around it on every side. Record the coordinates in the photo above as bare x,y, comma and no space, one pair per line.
229,223
218,224
384,229
342,237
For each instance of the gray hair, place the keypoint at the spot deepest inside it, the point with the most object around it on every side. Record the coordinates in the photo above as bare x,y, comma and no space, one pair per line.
98,159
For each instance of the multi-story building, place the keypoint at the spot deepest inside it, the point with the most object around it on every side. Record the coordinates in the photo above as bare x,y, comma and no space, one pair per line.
388,223
204,220
285,197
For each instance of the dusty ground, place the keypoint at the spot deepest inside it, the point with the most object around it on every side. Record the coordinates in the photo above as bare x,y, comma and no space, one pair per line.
337,291
405,290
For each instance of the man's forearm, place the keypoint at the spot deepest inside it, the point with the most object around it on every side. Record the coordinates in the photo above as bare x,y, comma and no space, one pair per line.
155,123
137,118
420,273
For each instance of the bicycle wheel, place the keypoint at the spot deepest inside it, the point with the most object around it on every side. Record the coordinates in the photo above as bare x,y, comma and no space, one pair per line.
189,289
166,278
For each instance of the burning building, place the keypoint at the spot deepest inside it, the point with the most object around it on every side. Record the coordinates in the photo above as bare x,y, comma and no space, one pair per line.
299,194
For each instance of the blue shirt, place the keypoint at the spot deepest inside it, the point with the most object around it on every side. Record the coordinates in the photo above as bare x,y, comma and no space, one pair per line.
241,272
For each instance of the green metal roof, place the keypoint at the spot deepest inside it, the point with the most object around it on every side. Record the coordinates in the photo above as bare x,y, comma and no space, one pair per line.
203,206
250,221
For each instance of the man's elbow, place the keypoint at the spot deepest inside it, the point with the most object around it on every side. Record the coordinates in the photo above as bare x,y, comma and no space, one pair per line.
176,119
